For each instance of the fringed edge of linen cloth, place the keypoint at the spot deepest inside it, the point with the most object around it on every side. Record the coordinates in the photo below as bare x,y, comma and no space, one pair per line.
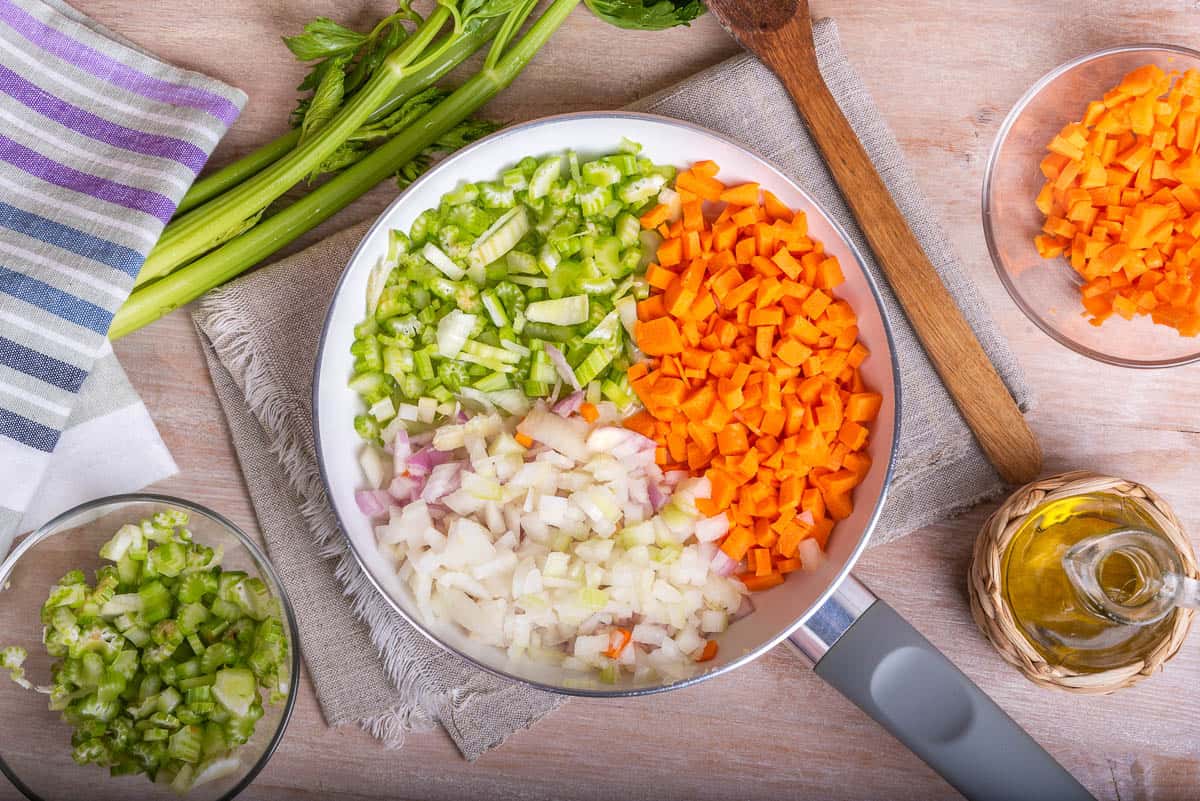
272,407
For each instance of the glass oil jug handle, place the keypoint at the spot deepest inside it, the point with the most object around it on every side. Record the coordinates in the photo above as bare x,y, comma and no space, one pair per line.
1156,582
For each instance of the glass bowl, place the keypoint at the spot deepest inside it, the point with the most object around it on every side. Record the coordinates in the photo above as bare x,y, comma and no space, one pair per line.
1047,290
35,749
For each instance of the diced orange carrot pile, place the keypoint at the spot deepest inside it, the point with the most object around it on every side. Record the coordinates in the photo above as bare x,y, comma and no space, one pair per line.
1122,200
754,380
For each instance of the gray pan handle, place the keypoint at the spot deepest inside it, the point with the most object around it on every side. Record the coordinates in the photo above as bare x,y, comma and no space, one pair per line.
859,644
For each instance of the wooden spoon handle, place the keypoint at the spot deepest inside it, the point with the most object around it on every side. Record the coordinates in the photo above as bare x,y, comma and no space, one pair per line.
965,369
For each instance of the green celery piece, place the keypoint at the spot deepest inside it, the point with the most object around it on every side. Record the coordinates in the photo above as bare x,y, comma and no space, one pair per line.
194,586
188,669
564,311
187,744
69,595
168,559
129,570
594,363
190,616
127,536
125,664
137,635
217,655
197,681
212,629
214,741
12,659
98,639
168,699
227,611
111,685
236,689
156,602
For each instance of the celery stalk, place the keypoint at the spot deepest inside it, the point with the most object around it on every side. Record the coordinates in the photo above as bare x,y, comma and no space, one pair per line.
224,179
197,231
241,253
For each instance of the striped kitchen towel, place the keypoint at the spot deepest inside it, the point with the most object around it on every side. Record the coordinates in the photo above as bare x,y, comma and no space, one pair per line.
98,142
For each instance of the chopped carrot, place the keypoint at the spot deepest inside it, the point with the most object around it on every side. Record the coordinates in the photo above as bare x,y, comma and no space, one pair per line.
741,195
589,412
525,440
709,652
658,337
655,216
755,381
759,583
1120,200
617,641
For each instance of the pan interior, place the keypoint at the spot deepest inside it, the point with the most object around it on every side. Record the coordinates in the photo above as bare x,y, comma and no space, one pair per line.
779,610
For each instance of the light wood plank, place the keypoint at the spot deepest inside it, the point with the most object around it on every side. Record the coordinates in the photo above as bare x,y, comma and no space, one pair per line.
943,74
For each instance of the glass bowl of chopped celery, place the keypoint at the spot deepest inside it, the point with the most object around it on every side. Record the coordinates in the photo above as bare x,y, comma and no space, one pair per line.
152,653
1067,173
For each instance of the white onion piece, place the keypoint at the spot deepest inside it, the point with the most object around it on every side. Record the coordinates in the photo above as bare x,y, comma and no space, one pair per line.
712,528
562,366
376,466
746,608
811,556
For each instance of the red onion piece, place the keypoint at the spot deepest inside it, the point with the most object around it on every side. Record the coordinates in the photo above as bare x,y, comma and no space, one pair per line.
401,445
442,481
722,565
403,488
373,503
561,365
424,460
673,477
569,405
658,498
420,440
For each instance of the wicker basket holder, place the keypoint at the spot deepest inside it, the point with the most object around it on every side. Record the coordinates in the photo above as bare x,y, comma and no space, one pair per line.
995,618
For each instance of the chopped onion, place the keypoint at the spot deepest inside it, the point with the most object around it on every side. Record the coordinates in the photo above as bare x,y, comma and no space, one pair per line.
549,551
372,503
746,608
569,405
713,528
722,565
562,366
442,481
811,556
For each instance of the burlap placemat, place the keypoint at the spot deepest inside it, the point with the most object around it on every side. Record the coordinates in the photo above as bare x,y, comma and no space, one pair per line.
261,334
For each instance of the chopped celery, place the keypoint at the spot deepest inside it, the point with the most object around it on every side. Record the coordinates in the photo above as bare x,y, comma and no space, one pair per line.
562,311
549,251
160,663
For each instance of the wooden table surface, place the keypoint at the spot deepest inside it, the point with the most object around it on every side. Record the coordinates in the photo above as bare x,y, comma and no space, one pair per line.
943,74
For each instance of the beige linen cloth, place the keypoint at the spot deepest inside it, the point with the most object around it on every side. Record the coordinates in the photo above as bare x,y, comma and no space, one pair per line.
261,332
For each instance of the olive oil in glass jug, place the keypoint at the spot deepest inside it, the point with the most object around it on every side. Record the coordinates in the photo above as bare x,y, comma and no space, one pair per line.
1091,580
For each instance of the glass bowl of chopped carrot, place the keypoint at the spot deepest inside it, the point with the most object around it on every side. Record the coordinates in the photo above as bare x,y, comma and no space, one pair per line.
1091,205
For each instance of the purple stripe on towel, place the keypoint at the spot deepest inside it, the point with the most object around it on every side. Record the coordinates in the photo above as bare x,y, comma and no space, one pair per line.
98,128
129,197
109,69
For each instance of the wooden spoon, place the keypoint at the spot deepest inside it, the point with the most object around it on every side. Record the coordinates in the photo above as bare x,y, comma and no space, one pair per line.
779,32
